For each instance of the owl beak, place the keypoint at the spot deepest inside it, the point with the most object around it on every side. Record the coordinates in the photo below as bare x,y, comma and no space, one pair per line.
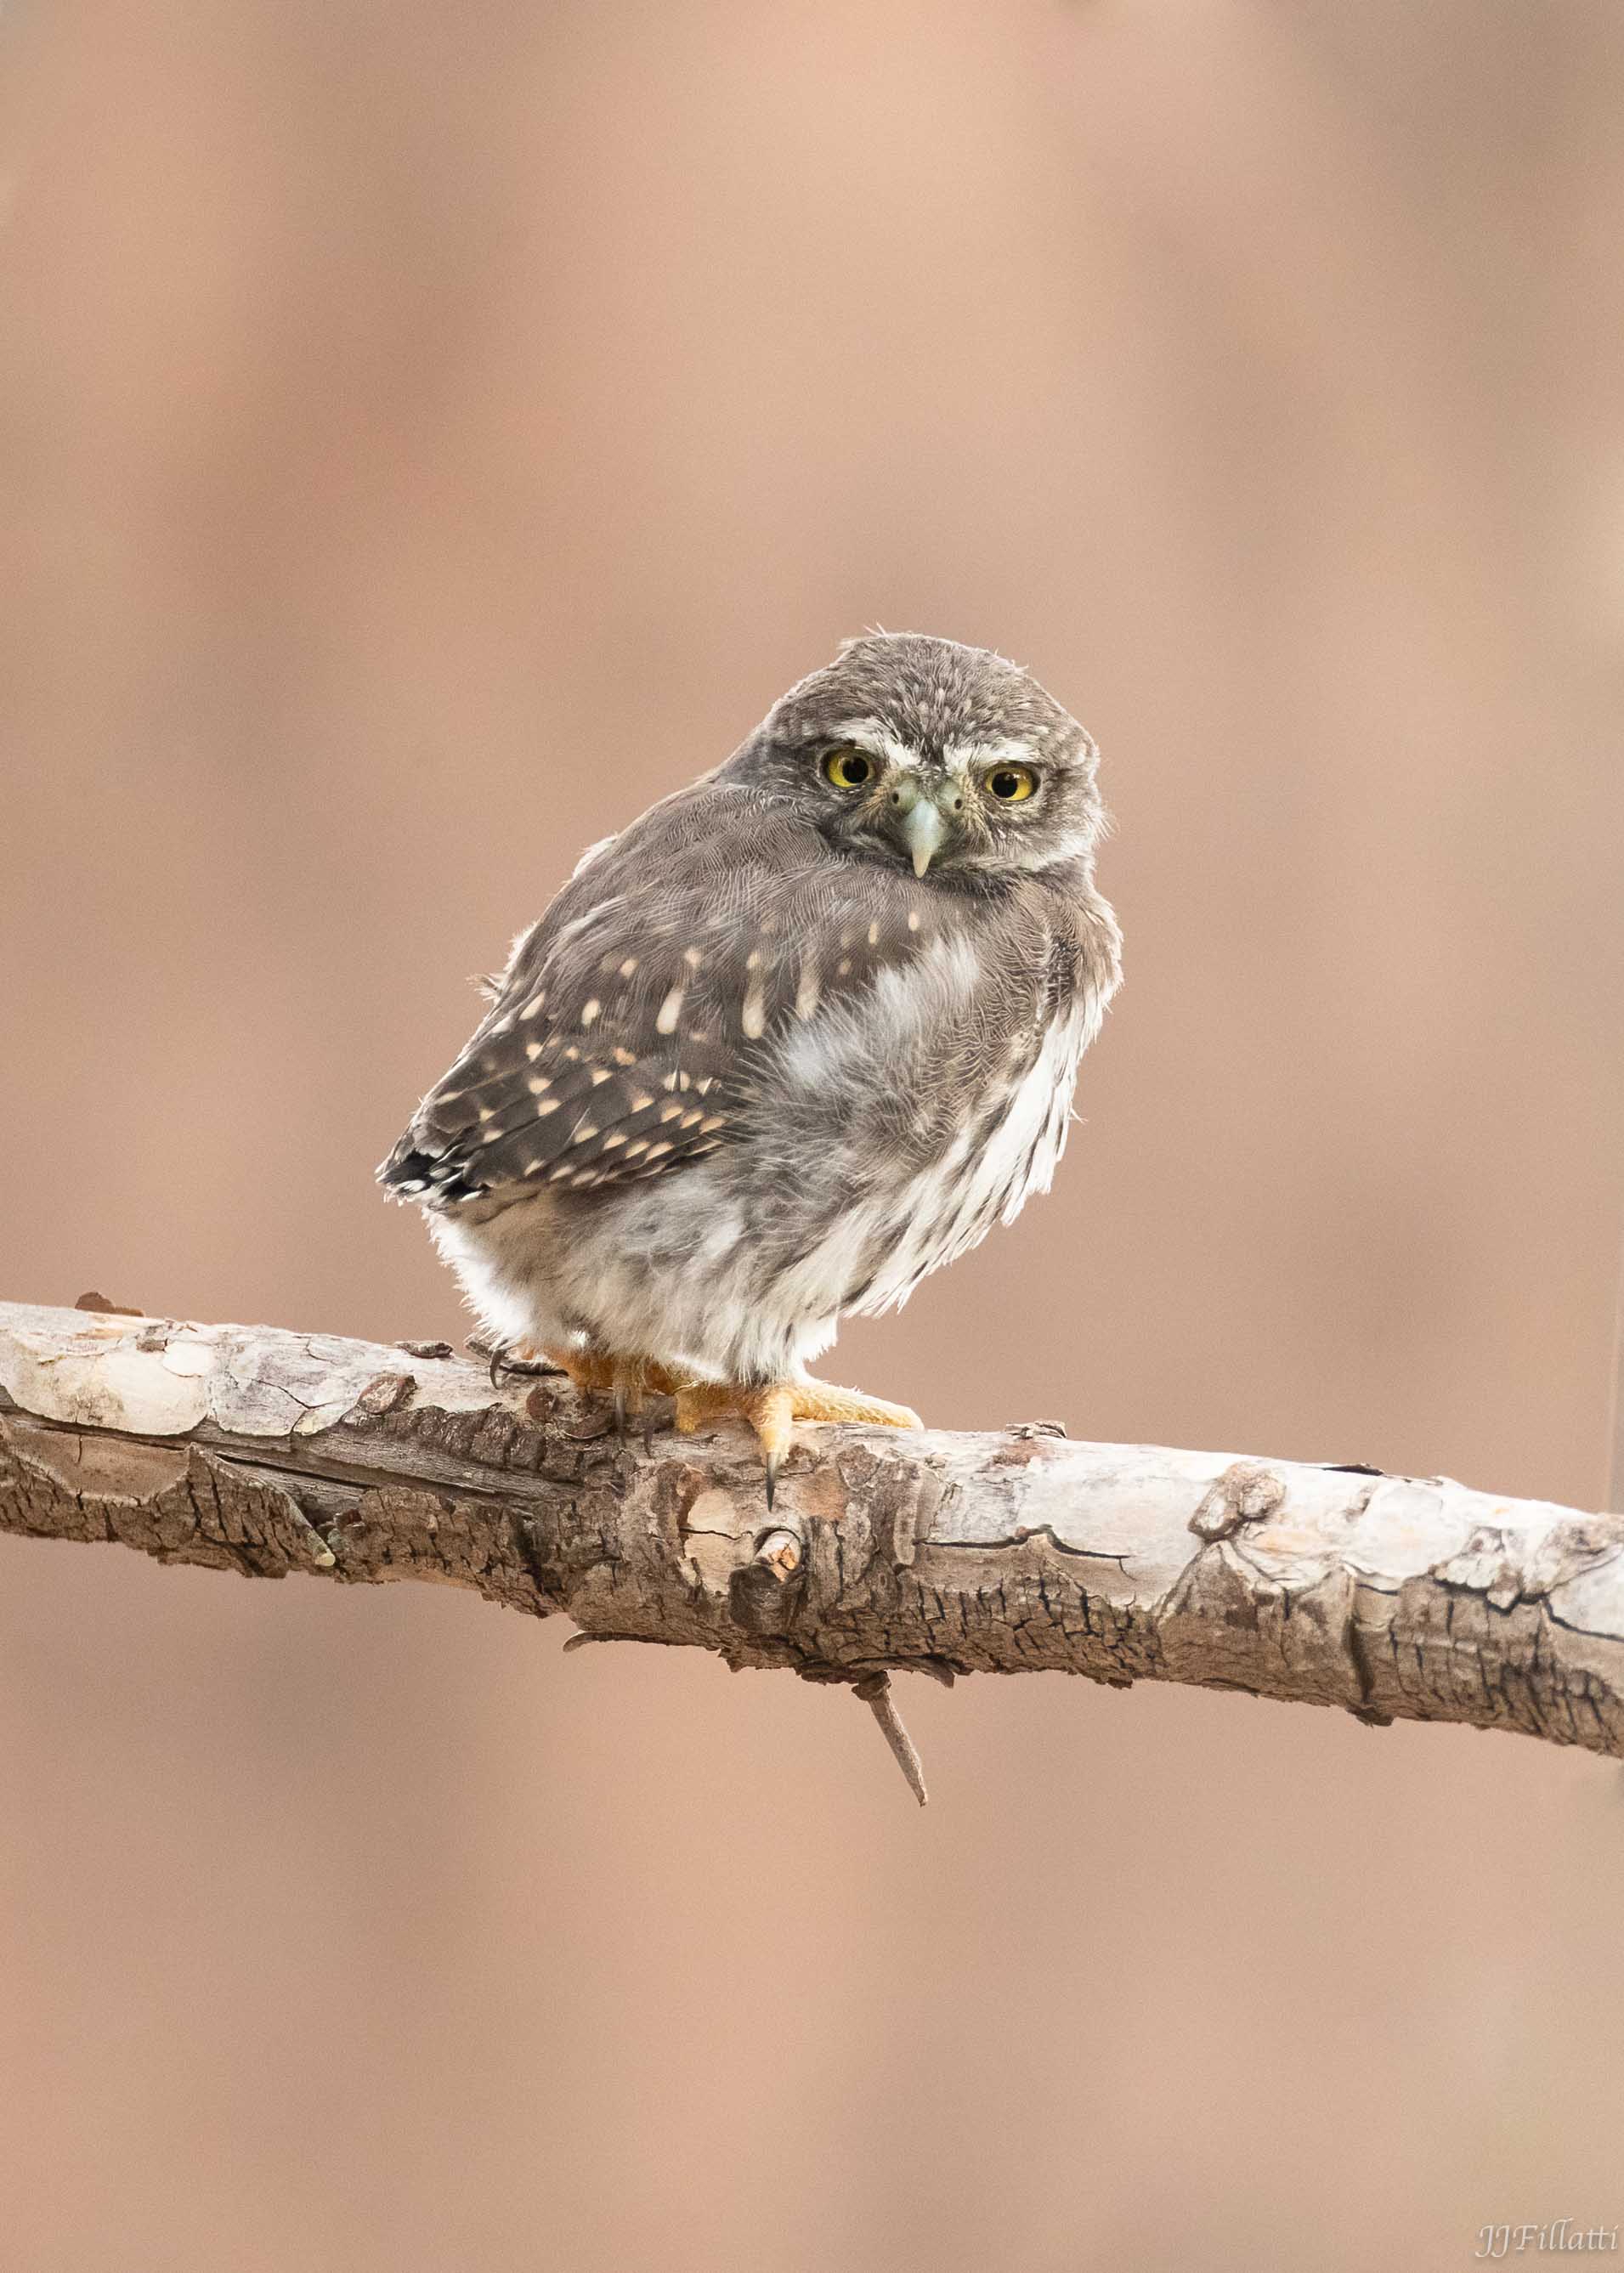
924,830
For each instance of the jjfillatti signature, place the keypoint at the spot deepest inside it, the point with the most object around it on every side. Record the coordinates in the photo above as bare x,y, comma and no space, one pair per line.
1563,2234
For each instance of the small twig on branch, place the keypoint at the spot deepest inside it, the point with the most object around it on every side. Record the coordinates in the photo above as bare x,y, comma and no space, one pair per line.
875,1689
252,1449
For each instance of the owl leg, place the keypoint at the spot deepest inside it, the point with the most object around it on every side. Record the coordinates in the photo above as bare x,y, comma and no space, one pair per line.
594,1370
773,1410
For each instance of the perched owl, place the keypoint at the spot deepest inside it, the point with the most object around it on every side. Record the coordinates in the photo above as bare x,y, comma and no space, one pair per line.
802,1033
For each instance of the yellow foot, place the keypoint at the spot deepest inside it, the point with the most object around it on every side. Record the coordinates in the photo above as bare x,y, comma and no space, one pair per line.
773,1412
627,1379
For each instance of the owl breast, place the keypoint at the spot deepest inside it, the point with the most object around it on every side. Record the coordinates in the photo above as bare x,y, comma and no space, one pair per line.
1006,1149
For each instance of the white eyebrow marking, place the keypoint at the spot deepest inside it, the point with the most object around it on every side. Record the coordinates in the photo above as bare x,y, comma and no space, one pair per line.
995,750
874,736
670,1011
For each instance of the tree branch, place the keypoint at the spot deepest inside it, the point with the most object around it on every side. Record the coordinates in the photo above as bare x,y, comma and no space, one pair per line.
251,1449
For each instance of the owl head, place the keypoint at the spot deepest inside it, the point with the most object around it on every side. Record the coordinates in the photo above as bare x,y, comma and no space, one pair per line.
931,755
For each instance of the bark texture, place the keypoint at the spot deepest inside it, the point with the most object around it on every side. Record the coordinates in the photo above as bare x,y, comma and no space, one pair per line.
251,1449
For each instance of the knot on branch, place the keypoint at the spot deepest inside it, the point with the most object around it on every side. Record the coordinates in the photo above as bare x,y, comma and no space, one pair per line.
763,1594
1248,1491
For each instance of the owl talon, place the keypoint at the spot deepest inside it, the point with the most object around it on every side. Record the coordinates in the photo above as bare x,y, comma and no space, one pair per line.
507,1358
773,1411
627,1379
770,1412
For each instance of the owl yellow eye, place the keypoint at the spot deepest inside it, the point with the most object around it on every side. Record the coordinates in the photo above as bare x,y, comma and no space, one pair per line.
848,767
1009,784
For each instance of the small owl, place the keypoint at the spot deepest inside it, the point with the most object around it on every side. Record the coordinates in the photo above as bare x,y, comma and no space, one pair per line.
799,1035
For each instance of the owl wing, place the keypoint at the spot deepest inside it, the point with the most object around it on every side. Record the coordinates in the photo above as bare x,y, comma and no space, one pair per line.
628,1033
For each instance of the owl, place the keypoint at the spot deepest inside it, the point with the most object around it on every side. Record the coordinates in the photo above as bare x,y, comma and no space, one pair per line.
802,1033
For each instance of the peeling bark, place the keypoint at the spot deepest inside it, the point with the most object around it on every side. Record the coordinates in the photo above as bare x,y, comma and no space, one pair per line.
252,1449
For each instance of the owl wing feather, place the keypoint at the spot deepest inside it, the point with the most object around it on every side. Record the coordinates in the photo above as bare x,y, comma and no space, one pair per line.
625,1036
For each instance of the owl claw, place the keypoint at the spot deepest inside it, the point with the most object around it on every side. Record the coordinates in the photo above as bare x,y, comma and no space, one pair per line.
507,1358
773,1411
770,1412
627,1380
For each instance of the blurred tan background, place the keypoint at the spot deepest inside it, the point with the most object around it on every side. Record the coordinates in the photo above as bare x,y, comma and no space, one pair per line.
430,433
